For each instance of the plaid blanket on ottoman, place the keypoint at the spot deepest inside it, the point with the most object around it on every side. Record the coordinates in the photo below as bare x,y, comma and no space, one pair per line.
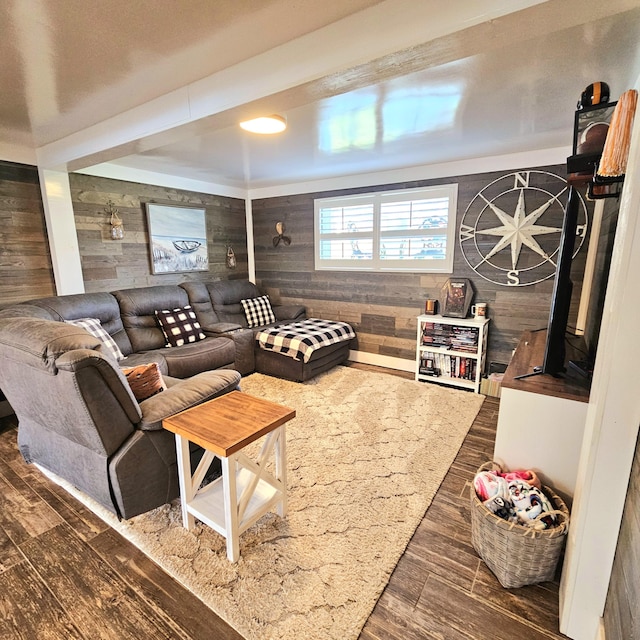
299,340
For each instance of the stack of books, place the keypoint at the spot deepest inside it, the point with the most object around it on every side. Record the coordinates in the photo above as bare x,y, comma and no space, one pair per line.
436,364
465,339
435,334
452,337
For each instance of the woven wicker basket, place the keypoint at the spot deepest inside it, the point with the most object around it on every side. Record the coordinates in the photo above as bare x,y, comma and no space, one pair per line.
516,554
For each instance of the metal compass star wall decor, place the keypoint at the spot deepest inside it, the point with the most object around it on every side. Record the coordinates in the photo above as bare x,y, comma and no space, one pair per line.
510,232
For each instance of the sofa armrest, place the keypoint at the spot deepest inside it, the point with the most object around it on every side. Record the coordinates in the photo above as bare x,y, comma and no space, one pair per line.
185,394
243,341
220,328
290,312
78,360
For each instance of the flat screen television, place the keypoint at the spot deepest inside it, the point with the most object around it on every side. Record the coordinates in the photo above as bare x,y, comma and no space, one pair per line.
598,287
555,352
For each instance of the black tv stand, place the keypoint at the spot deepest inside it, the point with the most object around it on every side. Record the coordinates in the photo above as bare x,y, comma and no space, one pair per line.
582,367
537,371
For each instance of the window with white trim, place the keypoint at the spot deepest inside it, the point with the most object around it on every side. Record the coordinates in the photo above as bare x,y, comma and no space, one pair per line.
403,230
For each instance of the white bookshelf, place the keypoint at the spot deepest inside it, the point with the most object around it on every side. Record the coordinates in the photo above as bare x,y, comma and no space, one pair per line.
450,366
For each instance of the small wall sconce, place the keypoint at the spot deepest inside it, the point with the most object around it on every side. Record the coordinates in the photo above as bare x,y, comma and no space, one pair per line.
231,257
117,230
286,240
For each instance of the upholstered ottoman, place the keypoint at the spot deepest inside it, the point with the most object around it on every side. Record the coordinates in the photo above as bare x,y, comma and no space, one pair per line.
299,351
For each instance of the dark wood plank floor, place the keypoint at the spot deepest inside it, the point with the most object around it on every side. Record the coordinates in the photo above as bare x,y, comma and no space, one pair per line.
65,574
440,588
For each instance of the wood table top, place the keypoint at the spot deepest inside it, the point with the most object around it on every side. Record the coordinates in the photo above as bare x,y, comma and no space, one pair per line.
226,424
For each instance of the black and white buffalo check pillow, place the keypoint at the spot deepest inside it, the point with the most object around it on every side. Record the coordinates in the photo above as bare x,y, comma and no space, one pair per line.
258,311
180,326
95,328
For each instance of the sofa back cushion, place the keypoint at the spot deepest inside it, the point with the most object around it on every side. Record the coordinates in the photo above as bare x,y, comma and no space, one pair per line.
200,301
226,297
138,312
38,343
100,305
26,310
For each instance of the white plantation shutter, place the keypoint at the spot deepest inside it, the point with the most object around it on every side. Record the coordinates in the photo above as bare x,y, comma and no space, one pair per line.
407,230
346,231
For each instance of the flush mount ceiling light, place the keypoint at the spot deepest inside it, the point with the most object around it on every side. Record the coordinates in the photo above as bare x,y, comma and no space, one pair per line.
265,124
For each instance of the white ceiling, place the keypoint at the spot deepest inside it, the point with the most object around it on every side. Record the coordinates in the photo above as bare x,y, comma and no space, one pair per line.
121,87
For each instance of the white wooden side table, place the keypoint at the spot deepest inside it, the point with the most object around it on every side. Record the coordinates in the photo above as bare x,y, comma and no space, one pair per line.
246,490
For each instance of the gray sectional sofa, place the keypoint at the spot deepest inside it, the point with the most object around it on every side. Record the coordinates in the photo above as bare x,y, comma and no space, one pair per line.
220,311
128,315
76,411
77,415
129,318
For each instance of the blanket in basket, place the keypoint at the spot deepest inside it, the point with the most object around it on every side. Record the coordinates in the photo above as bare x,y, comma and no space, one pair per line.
299,340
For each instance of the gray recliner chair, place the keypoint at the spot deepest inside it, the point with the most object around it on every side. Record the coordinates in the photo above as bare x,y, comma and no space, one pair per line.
78,417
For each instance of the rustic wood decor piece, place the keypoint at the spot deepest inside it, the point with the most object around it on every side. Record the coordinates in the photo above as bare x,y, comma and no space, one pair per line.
510,232
280,229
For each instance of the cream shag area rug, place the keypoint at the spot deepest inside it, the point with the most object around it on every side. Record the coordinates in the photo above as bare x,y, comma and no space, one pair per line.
365,456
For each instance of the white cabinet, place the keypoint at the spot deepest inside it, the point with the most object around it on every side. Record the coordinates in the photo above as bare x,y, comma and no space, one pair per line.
451,351
542,418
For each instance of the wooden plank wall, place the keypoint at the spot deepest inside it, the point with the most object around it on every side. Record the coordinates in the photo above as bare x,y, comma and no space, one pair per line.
622,609
25,262
108,264
383,306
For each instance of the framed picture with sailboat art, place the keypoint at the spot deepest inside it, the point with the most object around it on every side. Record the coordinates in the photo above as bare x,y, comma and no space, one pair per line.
177,238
